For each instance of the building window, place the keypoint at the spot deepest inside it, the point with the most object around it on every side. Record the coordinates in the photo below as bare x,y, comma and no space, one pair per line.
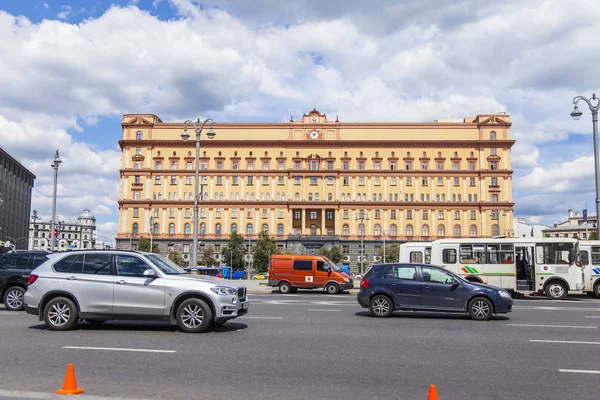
472,182
171,229
297,214
473,231
265,165
297,165
494,198
186,229
250,165
346,181
345,230
455,165
234,228
457,214
203,228
156,211
250,180
265,180
172,213
492,135
313,215
249,229
377,214
135,229
264,212
495,230
136,195
174,165
425,230
313,180
494,166
471,166
440,166
329,215
156,229
409,214
377,165
346,166
136,212
424,181
425,214
280,214
409,165
440,214
138,135
393,165
280,180
330,180
361,165
235,166
494,181
281,165
218,229
296,180
188,180
393,181
377,181
456,230
138,150
456,181
280,229
361,181
493,151
408,181
138,165
409,230
346,214
218,213
441,230
203,213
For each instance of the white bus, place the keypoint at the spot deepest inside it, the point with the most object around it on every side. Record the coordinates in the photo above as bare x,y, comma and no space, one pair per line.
415,252
544,266
589,256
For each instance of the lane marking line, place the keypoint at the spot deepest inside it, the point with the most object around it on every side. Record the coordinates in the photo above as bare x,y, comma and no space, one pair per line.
561,341
118,349
579,371
553,326
322,309
260,317
22,394
592,316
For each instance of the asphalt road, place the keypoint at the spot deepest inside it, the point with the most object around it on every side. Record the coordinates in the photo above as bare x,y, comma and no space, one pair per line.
315,346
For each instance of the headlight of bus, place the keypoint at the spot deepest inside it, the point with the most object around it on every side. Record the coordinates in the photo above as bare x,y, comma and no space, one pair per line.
504,294
223,290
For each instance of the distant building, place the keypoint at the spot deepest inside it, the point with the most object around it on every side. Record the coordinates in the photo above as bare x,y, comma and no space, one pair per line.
72,234
525,230
573,226
16,183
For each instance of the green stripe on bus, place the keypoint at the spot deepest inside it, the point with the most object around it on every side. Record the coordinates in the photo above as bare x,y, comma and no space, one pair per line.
498,273
544,274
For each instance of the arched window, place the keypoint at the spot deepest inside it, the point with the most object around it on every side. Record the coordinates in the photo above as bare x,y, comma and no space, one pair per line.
390,197
330,197
406,197
409,230
310,197
456,230
380,197
280,229
441,230
364,197
237,196
154,196
374,196
139,135
247,196
396,197
313,230
262,196
171,229
184,196
459,198
492,135
218,229
422,197
345,230
427,198
453,198
470,199
135,229
495,230
278,196
249,229
437,198
377,230
473,231
393,230
343,197
358,197
443,198
265,228
268,196
297,197
475,198
203,228
361,229
456,214
252,196
425,230
316,196
283,196
186,229
412,197
234,228
156,229
170,195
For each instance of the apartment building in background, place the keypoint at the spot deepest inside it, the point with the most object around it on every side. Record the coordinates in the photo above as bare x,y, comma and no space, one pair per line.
313,181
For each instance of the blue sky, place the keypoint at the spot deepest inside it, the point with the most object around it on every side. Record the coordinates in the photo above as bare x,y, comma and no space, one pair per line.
76,66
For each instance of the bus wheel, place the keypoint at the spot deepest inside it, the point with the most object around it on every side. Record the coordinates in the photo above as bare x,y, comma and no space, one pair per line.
597,290
284,288
556,290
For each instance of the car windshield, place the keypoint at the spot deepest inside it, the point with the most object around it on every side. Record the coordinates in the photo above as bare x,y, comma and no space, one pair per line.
331,264
165,265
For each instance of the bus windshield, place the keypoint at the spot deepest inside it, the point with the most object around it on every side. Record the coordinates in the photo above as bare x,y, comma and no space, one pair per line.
555,253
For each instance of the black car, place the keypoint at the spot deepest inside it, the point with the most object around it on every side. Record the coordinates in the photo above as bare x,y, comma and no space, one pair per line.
419,287
15,268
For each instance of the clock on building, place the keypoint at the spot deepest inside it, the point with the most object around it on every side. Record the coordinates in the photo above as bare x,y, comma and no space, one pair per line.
314,119
314,135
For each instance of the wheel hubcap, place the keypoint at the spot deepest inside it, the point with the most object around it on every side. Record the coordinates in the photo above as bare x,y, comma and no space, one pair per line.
14,299
381,306
481,308
192,316
556,290
59,314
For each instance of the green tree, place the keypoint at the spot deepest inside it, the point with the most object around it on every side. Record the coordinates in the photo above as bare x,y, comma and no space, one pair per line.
234,253
144,245
334,253
177,258
576,236
208,257
392,253
594,235
262,251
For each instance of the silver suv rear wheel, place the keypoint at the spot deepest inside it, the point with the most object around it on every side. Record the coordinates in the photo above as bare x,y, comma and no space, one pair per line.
61,314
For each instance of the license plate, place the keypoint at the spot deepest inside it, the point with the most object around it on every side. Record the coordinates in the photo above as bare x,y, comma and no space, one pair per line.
245,305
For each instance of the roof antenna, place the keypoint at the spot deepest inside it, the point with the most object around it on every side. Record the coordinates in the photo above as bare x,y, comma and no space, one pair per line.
314,106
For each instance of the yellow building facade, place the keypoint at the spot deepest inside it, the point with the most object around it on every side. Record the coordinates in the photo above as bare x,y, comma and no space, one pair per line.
315,181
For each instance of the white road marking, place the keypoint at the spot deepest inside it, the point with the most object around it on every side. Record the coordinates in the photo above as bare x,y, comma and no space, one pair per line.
556,308
22,394
322,309
553,326
261,317
10,313
592,316
579,371
561,341
119,349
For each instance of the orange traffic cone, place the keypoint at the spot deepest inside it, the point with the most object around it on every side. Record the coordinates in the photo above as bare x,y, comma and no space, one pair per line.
70,383
432,393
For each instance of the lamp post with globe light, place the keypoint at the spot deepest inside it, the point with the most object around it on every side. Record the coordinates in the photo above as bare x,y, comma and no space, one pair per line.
53,234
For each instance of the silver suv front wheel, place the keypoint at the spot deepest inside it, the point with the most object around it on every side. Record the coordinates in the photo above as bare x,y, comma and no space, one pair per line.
194,316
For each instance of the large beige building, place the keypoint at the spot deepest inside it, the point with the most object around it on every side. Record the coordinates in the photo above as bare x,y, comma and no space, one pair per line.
314,182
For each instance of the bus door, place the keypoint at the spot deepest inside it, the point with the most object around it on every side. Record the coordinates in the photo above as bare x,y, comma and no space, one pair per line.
525,270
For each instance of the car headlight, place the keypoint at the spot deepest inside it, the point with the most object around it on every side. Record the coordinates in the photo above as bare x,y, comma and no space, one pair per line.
223,290
346,280
504,294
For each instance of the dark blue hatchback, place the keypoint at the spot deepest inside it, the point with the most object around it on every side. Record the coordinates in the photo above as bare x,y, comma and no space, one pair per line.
390,287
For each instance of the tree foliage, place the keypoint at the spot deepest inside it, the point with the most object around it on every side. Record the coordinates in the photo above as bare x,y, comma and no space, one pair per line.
262,251
594,235
392,253
177,258
334,253
234,253
208,257
144,245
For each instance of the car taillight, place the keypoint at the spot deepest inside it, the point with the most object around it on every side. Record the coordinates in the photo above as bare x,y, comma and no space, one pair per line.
32,278
364,283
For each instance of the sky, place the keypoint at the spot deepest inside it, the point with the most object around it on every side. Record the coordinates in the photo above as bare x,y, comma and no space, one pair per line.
72,68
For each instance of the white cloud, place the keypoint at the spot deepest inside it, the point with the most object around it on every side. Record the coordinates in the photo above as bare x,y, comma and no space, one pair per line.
65,12
573,177
46,6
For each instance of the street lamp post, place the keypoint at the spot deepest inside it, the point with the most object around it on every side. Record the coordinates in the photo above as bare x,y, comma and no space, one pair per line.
185,136
151,228
361,217
576,114
249,247
54,166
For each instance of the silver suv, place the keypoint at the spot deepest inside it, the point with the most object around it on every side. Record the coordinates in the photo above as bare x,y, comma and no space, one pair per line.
101,285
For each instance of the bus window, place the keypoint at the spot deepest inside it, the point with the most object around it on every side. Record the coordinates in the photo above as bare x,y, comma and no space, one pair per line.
416,257
479,253
554,253
449,256
595,255
500,254
427,255
584,257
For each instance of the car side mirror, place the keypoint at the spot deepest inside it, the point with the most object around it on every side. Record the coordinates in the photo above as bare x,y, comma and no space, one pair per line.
327,268
455,282
149,273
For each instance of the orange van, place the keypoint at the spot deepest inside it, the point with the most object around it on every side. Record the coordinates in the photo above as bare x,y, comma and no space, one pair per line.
292,272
